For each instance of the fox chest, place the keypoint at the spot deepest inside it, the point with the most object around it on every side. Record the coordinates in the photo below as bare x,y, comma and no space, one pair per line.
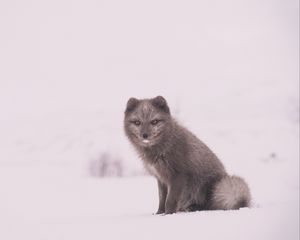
159,170
153,171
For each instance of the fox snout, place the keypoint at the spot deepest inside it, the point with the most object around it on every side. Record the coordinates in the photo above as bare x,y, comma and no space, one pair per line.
145,135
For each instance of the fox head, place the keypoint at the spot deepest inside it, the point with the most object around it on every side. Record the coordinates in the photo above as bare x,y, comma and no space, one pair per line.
146,120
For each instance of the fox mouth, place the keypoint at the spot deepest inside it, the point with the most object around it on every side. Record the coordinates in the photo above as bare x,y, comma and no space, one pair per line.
144,142
150,141
147,142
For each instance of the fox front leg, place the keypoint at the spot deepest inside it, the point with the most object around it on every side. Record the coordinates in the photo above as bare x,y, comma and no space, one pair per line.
162,191
173,195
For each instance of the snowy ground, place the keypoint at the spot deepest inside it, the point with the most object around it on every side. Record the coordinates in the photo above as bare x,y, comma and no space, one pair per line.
59,207
45,204
230,73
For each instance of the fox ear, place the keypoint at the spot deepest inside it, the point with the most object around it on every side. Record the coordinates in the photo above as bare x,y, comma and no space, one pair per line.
161,103
131,104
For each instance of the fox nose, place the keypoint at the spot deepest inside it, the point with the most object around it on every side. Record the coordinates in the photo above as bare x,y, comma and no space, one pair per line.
145,135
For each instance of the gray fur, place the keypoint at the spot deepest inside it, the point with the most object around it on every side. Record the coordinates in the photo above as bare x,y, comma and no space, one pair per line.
189,175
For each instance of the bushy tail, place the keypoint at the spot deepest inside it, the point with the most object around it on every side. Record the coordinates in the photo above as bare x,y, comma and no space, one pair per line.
231,192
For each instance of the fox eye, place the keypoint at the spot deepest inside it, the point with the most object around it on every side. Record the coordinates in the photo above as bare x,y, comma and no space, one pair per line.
154,122
137,123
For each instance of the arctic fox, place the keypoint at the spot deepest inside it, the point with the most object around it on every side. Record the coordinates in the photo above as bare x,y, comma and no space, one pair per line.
190,177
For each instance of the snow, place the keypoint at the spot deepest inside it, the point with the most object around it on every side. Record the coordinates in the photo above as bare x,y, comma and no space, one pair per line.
229,71
47,203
